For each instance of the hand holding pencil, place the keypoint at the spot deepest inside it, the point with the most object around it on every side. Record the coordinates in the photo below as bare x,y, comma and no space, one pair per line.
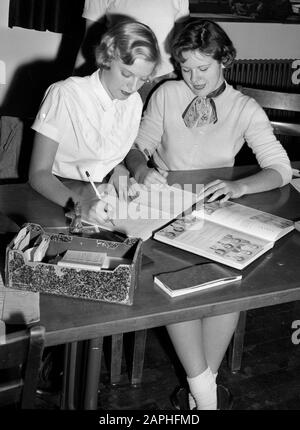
151,174
107,209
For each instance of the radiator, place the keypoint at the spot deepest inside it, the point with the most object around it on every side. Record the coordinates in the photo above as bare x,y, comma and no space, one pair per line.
266,74
273,75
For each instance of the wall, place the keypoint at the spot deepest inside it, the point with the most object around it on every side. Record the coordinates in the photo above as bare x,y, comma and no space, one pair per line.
20,47
27,56
30,61
263,40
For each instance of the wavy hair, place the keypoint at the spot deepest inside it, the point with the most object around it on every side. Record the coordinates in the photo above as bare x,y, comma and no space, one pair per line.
204,36
127,41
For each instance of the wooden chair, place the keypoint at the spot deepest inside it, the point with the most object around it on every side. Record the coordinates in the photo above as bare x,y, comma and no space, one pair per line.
20,359
277,101
287,102
75,368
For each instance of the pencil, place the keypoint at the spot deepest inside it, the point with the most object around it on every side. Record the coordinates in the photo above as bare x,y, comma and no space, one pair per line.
152,164
93,185
97,192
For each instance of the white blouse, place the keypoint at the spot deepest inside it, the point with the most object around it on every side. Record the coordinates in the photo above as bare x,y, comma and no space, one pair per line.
94,132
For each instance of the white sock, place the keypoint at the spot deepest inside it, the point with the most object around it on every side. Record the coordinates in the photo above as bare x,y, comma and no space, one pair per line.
203,389
192,402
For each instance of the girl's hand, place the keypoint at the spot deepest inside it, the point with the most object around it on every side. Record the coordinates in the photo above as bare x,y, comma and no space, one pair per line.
148,176
228,189
97,211
120,181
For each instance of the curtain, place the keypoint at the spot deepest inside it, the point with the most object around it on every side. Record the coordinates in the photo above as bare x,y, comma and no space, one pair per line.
59,16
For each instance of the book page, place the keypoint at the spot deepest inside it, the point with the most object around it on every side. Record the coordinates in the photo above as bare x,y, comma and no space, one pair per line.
139,228
219,243
167,200
149,210
251,221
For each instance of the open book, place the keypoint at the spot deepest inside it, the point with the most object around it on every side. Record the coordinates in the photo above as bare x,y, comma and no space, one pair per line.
230,233
148,210
195,278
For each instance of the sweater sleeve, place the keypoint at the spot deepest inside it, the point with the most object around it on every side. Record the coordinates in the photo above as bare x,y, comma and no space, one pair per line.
152,125
260,137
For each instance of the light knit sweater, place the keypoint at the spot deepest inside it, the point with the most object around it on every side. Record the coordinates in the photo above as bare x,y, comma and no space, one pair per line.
240,118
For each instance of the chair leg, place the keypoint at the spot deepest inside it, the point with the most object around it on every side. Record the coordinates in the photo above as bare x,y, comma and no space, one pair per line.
116,358
237,344
68,388
95,347
2,329
138,356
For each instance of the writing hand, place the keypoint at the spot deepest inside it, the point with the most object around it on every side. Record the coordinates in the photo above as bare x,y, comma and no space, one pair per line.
120,180
98,211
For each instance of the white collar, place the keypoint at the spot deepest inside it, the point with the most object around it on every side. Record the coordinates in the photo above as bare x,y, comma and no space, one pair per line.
101,92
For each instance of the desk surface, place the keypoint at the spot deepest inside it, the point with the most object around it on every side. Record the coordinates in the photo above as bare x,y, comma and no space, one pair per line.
272,279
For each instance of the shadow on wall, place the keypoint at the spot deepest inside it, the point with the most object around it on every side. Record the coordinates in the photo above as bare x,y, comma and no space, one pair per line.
91,39
22,101
31,80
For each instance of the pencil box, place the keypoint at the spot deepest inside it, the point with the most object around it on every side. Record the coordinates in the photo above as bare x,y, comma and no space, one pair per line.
114,284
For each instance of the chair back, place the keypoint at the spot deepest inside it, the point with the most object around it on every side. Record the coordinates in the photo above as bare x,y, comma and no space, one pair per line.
20,360
277,101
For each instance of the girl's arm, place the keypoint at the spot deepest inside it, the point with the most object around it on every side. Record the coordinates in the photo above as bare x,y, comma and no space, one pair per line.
147,142
41,177
43,181
266,179
270,154
137,165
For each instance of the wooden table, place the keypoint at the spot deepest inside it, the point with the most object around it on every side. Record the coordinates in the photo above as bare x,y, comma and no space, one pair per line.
272,279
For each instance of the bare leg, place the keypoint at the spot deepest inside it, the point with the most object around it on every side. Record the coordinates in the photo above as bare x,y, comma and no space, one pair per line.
217,332
200,346
188,343
202,343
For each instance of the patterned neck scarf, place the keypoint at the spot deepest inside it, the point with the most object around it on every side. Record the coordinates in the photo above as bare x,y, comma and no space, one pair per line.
202,110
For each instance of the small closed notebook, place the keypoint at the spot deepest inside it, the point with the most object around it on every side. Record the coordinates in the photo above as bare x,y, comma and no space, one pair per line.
86,260
195,278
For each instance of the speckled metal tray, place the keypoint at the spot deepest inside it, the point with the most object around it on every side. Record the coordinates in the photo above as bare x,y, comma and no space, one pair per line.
109,285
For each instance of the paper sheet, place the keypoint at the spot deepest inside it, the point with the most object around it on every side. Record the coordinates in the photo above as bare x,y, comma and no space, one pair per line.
17,306
151,209
296,184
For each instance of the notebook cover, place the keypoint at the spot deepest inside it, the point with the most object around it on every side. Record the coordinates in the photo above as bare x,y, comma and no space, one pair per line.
202,276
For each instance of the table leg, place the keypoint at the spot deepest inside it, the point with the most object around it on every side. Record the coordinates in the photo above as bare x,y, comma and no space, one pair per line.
116,358
138,356
69,376
93,366
237,344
